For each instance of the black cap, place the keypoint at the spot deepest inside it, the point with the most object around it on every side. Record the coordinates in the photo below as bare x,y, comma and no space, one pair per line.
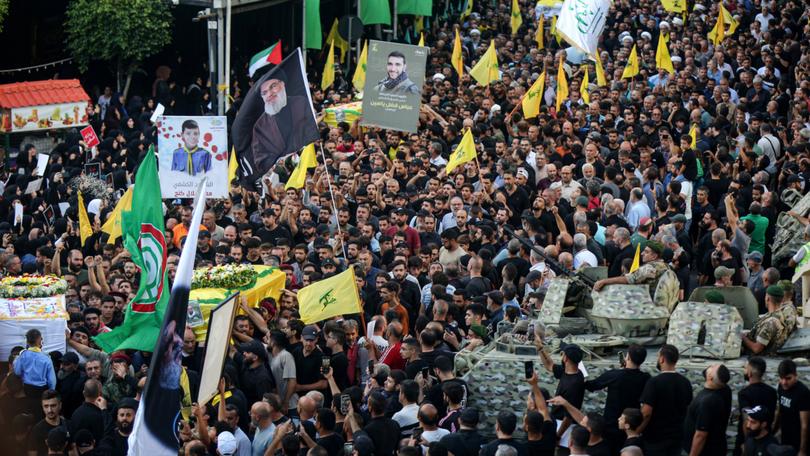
759,413
254,347
128,403
573,352
309,333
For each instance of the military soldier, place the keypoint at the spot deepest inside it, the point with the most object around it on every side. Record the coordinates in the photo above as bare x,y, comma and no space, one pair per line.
662,280
787,310
770,331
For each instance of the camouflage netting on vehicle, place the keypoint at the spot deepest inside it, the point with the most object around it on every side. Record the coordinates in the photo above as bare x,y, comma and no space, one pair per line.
628,311
790,231
706,330
496,383
740,298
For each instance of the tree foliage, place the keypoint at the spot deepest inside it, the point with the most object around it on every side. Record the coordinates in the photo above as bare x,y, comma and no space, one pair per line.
123,32
3,12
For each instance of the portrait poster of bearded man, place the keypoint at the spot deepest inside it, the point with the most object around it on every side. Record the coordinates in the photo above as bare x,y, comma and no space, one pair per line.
276,119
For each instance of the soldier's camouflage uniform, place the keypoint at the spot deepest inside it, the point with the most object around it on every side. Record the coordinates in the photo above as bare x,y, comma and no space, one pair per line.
663,282
770,331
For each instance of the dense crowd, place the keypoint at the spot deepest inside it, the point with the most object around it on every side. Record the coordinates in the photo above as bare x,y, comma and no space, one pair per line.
436,269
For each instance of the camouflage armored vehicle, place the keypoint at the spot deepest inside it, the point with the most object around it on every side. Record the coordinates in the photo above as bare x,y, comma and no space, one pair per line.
619,315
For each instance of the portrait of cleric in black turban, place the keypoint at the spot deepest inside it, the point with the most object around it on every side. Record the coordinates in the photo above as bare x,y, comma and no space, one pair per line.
275,120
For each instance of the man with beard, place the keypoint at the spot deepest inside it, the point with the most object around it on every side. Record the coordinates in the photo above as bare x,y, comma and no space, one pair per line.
755,395
396,81
254,378
409,293
411,235
69,382
286,125
74,266
52,408
115,443
758,431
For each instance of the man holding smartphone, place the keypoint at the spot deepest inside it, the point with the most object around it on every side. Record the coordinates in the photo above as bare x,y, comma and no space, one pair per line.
624,387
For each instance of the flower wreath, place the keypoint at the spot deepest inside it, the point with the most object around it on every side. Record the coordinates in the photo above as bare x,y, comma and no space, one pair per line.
225,276
32,286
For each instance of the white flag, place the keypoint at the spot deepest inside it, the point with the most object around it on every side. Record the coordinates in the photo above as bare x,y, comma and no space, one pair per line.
581,22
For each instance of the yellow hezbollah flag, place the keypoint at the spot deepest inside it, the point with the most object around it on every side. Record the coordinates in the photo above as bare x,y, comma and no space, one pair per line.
636,258
718,33
467,9
419,25
562,85
328,76
516,20
662,58
534,97
583,87
457,60
359,78
329,298
730,25
113,224
233,165
632,68
421,38
465,151
600,72
85,228
674,6
299,175
335,37
554,28
486,70
538,35
693,132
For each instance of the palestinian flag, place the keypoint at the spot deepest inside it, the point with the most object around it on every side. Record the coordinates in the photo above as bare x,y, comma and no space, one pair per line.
265,57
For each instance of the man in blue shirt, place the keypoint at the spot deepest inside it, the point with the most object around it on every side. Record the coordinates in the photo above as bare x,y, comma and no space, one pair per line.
35,369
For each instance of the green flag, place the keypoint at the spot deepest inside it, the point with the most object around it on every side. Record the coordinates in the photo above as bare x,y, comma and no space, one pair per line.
144,238
314,35
375,12
415,7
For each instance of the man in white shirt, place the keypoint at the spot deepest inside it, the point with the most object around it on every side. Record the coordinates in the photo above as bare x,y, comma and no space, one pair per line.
583,257
407,416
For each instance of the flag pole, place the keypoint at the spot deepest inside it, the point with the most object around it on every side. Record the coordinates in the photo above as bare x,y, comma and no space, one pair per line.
334,206
304,32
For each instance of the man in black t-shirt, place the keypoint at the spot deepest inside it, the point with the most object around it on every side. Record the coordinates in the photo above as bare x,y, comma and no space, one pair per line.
793,411
624,387
571,386
308,363
708,414
758,430
663,403
339,362
52,409
754,394
327,438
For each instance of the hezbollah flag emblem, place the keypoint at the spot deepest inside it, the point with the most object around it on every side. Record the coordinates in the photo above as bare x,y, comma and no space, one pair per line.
329,298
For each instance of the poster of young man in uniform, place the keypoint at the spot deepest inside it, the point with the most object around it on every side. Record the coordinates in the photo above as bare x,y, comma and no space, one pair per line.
190,148
393,91
276,119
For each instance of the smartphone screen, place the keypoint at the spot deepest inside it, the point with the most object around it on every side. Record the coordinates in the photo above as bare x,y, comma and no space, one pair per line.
528,367
325,361
370,367
425,372
344,404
